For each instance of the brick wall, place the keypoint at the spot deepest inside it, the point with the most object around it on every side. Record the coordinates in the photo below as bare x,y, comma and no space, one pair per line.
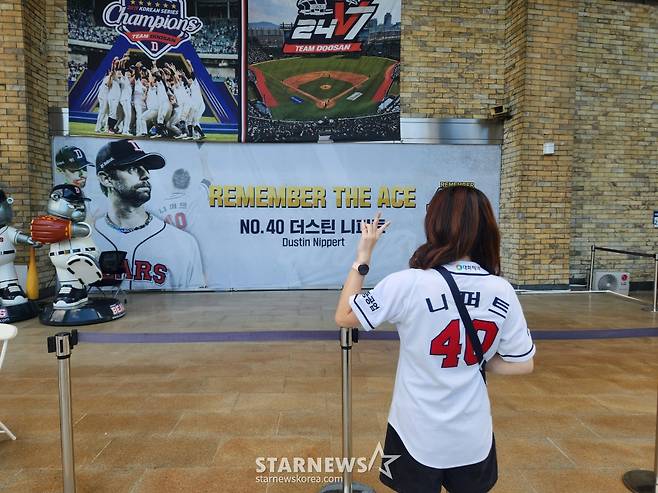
581,74
615,184
452,53
24,142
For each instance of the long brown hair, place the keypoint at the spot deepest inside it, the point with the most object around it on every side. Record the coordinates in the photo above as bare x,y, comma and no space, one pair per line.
459,222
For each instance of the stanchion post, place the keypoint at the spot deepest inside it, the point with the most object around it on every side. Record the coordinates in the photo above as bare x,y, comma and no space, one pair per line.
590,282
61,344
642,481
348,337
655,283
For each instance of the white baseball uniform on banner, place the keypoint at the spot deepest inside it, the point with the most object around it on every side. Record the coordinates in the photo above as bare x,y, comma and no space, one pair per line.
440,407
198,106
159,255
164,106
152,106
103,107
126,103
113,97
139,102
182,98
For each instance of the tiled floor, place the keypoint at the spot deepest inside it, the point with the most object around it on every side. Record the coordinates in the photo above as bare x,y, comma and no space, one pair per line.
194,417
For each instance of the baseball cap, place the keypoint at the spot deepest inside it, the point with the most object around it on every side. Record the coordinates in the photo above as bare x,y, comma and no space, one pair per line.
70,193
72,158
125,152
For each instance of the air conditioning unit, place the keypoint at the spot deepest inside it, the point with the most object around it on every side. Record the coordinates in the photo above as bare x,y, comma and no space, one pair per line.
617,282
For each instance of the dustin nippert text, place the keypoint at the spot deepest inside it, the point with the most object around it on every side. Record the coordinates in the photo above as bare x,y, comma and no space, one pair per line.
313,242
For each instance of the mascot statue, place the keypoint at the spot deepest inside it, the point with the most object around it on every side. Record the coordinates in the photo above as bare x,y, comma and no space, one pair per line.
14,305
72,250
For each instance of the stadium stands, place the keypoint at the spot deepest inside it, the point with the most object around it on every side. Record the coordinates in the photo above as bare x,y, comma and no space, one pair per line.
377,127
82,27
217,36
75,69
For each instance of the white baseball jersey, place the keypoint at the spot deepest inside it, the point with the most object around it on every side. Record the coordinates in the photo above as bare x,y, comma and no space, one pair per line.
182,208
103,89
114,92
159,256
440,406
163,97
126,88
152,102
138,95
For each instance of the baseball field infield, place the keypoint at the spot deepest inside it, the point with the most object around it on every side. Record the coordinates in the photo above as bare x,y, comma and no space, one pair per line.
310,88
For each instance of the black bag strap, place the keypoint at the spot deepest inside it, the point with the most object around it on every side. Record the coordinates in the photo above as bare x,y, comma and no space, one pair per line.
466,319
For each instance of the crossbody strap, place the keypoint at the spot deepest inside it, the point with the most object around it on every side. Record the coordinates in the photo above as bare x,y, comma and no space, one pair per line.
466,319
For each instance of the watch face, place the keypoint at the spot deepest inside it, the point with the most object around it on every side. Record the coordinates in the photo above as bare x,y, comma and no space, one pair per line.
363,269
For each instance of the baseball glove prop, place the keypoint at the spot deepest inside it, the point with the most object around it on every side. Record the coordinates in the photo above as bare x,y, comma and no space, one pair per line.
50,229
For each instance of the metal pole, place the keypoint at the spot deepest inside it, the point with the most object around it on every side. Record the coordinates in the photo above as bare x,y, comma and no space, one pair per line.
642,481
591,269
348,337
346,343
61,344
655,282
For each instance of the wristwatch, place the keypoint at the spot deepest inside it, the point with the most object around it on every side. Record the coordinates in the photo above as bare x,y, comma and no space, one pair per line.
362,269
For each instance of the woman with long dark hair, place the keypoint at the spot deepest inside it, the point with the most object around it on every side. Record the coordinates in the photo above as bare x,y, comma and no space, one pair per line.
440,418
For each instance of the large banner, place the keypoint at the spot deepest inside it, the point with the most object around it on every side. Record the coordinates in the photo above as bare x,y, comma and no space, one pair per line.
158,69
323,70
231,216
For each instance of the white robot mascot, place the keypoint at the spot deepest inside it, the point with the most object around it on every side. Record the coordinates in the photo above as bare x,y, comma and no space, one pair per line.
11,293
72,250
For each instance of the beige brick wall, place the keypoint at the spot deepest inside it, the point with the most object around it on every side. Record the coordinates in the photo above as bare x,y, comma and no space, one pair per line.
615,184
452,53
24,142
581,74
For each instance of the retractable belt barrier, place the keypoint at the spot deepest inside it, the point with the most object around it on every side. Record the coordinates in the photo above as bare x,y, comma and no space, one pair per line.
63,343
654,256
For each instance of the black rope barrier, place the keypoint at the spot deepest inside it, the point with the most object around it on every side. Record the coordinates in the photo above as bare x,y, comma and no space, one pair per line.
626,252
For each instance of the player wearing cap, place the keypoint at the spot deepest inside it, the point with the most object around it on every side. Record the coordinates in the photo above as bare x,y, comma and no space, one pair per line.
159,255
71,162
440,429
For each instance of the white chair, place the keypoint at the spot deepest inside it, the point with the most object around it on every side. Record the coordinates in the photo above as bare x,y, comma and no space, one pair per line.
6,332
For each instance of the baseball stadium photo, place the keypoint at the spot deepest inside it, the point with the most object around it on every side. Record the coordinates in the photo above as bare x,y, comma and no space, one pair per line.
160,83
341,91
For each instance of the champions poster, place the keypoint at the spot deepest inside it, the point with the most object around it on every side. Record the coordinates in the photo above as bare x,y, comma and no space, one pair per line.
323,70
154,68
270,216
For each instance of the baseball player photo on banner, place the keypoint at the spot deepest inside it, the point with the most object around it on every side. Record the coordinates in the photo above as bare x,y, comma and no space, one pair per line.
323,70
152,69
235,217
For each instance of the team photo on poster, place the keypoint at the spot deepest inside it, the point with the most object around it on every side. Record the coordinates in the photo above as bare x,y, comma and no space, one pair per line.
140,68
272,216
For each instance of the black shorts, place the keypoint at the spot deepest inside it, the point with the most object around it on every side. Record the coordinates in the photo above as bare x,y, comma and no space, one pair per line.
410,476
